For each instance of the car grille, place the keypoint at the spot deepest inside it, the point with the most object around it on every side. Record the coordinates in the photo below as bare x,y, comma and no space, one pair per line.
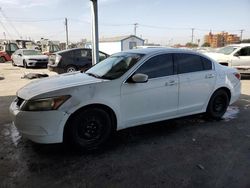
19,101
39,60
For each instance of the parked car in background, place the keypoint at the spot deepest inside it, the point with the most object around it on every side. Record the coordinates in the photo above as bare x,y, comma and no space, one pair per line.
127,89
72,60
6,50
50,49
235,55
29,58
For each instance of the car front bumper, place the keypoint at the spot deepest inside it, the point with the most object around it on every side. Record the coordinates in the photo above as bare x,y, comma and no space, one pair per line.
40,127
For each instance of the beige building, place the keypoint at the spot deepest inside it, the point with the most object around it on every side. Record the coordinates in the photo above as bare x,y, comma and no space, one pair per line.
221,39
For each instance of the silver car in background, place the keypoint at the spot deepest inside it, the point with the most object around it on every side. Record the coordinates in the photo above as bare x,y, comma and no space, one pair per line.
29,58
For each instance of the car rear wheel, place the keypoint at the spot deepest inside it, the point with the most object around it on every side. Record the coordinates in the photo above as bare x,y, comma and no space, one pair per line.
71,68
218,104
2,60
88,129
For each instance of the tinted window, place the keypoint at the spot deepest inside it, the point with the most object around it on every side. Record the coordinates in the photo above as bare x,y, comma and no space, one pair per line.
158,66
244,51
82,53
207,64
188,63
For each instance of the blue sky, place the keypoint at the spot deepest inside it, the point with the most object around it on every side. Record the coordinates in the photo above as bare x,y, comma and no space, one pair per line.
160,21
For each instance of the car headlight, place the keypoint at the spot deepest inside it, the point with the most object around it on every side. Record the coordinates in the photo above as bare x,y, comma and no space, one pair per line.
45,104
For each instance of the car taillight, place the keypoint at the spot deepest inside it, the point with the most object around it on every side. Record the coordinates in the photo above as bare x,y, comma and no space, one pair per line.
237,75
58,59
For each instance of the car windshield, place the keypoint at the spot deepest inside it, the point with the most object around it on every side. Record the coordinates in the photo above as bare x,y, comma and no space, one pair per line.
31,52
114,66
227,50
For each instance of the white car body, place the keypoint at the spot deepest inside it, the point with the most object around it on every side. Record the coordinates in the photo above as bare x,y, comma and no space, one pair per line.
133,104
234,59
20,59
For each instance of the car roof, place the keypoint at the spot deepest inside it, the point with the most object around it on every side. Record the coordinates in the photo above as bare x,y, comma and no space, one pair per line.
149,51
28,50
71,49
240,45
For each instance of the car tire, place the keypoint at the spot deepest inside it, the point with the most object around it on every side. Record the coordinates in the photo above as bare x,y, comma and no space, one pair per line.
13,64
218,104
88,129
2,59
25,64
71,68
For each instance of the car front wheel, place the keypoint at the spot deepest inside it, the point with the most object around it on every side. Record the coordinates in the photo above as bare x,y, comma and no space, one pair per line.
88,129
2,60
13,64
25,64
218,104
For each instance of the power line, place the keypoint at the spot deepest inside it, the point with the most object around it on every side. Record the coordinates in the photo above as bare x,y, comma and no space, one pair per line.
6,30
14,28
33,20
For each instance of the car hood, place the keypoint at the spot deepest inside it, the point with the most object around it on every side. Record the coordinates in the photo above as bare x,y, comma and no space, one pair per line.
219,57
54,83
35,57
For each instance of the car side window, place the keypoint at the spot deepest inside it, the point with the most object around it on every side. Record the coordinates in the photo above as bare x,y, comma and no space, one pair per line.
207,64
244,51
188,63
83,53
158,66
102,56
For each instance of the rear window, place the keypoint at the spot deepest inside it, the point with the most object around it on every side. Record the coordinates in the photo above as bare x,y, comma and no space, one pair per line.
207,64
188,63
191,63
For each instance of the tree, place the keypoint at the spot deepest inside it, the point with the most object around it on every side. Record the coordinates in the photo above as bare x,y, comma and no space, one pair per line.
191,45
245,41
206,44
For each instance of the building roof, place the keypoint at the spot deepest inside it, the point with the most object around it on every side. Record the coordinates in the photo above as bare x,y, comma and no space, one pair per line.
118,38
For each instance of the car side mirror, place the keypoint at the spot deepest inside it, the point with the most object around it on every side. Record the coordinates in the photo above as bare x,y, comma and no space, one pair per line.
237,54
139,78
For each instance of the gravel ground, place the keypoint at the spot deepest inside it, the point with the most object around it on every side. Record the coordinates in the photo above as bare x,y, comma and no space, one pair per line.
186,152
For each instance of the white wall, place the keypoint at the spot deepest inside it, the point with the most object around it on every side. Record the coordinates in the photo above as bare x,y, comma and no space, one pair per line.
125,43
110,47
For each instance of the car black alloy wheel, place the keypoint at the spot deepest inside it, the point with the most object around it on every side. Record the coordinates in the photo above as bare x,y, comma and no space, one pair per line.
218,104
88,129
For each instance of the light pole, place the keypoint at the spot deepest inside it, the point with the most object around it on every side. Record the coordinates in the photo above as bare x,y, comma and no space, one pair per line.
95,40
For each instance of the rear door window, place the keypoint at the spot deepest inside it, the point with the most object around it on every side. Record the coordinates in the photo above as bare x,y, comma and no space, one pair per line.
188,63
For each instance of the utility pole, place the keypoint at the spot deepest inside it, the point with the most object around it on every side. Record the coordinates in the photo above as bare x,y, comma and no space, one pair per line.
95,39
241,33
223,39
4,34
67,34
135,27
192,39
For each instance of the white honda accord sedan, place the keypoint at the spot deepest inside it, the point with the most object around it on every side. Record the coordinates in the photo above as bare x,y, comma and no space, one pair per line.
127,89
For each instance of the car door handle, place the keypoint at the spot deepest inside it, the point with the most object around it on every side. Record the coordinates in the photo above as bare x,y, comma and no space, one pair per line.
171,83
209,76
